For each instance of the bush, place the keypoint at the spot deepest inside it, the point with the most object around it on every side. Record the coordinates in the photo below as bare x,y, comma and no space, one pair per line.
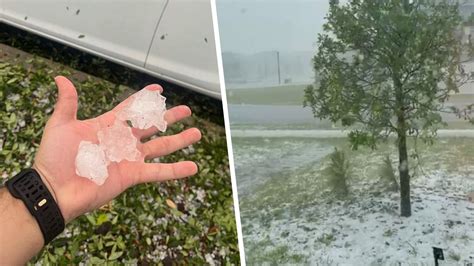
266,252
338,173
190,221
388,179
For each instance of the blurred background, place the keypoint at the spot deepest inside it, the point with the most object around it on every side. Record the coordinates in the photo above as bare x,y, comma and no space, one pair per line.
267,51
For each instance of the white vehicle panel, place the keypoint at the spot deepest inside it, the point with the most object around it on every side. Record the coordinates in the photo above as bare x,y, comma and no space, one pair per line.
185,48
120,29
128,32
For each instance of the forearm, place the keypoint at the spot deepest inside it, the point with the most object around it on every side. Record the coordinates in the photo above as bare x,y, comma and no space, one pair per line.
20,235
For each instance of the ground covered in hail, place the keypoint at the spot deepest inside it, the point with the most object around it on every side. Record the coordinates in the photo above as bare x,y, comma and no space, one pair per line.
291,216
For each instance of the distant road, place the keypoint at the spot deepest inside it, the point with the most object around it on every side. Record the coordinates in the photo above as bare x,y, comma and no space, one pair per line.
288,133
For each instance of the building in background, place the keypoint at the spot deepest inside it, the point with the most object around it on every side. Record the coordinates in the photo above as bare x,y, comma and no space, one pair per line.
269,68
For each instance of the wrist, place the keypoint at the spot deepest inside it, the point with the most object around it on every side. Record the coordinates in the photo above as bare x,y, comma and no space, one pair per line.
29,187
47,180
16,210
19,229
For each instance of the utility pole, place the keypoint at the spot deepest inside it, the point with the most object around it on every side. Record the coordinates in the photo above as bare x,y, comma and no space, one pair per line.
278,64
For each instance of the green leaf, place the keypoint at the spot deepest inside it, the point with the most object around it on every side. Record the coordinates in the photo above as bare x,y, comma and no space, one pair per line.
52,258
91,219
96,260
115,255
12,80
100,244
120,243
12,118
102,218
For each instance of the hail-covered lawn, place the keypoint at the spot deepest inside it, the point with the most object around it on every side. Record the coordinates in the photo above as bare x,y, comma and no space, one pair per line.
290,216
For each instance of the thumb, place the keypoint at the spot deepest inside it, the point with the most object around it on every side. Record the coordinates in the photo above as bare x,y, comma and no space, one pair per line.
66,105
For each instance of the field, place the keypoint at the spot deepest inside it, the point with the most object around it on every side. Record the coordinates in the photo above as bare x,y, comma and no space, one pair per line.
279,95
290,215
294,94
188,222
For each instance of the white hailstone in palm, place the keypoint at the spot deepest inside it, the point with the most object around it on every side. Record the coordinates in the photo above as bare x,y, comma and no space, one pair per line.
119,143
146,109
91,162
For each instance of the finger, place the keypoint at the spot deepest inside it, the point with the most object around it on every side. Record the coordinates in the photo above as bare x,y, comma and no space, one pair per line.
177,113
155,172
168,144
151,87
66,105
154,87
172,116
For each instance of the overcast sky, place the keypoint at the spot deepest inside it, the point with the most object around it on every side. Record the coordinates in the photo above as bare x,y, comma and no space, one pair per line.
285,25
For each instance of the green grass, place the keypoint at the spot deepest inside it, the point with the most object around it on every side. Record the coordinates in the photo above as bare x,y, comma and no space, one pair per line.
137,227
291,191
267,253
293,95
279,95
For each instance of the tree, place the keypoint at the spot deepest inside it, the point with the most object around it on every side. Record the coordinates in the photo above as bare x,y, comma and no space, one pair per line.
385,67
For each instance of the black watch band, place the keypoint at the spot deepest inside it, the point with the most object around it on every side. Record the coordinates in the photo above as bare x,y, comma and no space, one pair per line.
28,186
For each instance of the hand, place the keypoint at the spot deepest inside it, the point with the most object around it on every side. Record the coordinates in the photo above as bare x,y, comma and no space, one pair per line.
55,160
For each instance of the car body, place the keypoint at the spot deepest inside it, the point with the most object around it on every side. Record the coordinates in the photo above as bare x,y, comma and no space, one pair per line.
172,40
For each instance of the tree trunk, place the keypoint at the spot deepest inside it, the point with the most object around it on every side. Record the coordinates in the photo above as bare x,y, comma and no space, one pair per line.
405,204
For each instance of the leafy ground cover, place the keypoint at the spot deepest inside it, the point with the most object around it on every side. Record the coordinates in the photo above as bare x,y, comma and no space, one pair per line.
189,221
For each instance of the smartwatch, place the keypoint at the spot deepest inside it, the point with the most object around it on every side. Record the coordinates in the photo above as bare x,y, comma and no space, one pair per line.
28,187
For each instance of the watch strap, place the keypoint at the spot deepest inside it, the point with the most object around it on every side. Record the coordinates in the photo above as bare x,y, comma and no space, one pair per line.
28,186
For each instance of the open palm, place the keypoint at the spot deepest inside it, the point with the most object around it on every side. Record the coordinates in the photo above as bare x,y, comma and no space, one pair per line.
55,160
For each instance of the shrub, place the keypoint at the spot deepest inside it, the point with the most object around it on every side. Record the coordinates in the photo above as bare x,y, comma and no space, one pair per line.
338,173
387,175
326,239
